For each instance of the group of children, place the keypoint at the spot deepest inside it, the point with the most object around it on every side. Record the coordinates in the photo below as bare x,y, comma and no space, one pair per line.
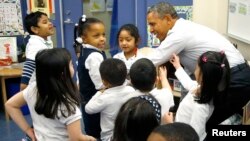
118,97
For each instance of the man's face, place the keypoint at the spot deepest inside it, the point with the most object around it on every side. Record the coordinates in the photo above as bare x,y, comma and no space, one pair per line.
158,26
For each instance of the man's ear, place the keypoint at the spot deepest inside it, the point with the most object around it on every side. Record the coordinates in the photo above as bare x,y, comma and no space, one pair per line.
168,18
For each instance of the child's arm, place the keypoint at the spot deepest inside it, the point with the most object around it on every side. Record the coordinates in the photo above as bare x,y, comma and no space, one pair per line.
12,106
175,60
93,63
198,119
181,75
75,132
163,78
95,104
28,69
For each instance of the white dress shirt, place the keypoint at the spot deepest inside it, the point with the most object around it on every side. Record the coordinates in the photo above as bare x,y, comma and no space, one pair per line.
92,63
189,111
128,62
163,96
189,40
108,104
34,45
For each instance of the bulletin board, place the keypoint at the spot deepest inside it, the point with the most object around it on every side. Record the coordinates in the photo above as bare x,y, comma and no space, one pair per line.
239,20
10,18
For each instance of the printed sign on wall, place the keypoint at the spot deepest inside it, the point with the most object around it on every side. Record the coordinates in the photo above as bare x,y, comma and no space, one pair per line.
10,18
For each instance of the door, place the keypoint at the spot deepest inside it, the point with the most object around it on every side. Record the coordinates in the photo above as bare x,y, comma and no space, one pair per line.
67,15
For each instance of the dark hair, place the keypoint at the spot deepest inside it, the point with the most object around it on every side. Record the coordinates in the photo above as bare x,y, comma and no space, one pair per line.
143,75
163,8
54,83
215,71
81,29
113,71
132,29
135,120
32,19
177,131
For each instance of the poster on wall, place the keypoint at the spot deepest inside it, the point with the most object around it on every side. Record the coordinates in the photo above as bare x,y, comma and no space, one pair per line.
8,48
97,5
183,12
46,6
10,18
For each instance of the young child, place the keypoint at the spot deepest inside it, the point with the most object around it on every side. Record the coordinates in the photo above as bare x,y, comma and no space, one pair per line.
144,77
128,38
52,99
40,28
137,118
91,34
177,131
113,72
212,76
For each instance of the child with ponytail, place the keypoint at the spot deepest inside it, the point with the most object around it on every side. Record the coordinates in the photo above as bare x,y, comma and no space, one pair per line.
89,43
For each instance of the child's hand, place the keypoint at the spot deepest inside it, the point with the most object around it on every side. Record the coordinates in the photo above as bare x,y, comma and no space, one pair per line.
161,77
175,60
168,118
162,73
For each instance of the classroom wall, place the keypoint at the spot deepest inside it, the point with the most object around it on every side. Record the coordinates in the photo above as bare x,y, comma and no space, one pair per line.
213,13
103,16
125,16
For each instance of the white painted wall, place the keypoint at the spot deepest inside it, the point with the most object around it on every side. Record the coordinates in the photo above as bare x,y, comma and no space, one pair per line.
213,13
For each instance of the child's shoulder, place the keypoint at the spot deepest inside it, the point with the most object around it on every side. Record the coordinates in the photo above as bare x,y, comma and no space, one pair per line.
119,55
129,88
88,51
35,40
163,92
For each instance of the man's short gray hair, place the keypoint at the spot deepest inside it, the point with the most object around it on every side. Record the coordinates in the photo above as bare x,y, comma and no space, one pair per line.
163,8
